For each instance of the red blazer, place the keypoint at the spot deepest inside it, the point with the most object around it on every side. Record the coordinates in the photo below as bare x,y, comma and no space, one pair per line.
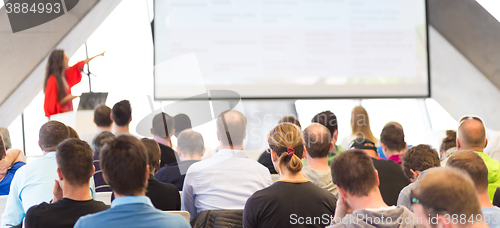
51,105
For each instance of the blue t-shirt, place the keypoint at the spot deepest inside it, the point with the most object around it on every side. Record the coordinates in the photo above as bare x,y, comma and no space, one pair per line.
5,183
492,216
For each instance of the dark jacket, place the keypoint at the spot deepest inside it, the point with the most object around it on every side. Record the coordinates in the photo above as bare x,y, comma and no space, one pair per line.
218,219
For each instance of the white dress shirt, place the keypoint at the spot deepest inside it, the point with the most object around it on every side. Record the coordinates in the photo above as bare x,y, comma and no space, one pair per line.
223,182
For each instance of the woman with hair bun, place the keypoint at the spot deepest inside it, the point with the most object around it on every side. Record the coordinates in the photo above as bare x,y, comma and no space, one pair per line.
292,199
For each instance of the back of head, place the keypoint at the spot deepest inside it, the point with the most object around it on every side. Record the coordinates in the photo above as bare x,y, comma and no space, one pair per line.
231,128
393,137
56,66
473,164
154,153
102,115
75,160
419,158
122,111
100,140
287,142
51,134
449,142
360,124
353,171
163,124
471,134
327,119
191,143
124,161
6,137
72,133
290,119
317,139
181,122
2,147
447,191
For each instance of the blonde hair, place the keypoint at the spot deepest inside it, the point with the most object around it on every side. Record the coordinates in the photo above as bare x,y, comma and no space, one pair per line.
286,139
360,124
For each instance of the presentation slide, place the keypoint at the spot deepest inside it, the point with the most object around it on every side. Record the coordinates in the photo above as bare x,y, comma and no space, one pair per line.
291,48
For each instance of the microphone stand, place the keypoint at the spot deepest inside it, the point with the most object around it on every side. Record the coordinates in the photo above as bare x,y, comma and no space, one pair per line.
88,69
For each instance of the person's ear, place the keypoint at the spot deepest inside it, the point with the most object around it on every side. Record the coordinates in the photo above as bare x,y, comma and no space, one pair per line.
111,117
304,154
335,135
332,144
458,144
415,175
203,153
274,156
341,192
39,145
151,130
93,170
443,222
486,143
147,176
59,174
406,145
376,175
384,148
93,120
130,120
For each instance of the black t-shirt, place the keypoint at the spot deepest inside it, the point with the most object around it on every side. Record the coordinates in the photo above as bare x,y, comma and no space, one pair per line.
174,173
168,155
165,197
62,213
392,180
285,204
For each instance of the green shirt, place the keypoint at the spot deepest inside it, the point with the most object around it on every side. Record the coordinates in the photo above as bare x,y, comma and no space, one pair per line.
493,173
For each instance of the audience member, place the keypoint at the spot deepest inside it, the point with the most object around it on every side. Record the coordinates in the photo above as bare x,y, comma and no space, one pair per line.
391,177
227,179
473,165
10,161
97,144
449,142
392,140
102,120
293,194
443,194
471,135
318,143
72,133
357,181
124,162
329,120
165,197
190,148
163,129
72,198
360,126
265,157
6,138
121,115
34,182
181,122
416,161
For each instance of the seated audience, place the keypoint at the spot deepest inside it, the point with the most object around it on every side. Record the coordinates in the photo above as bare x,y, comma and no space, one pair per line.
181,122
329,120
392,140
227,179
293,195
34,182
190,148
360,126
163,129
72,133
97,144
416,161
71,190
391,177
359,196
121,115
265,157
165,197
6,138
124,162
443,194
471,135
10,161
102,120
449,142
473,165
318,143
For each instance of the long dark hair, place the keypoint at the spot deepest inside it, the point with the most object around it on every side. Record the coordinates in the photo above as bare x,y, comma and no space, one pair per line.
56,67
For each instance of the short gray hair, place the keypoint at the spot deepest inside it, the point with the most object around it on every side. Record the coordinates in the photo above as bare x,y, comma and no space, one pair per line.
190,142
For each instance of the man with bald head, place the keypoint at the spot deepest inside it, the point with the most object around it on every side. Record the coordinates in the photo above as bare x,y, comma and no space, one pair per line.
471,135
318,143
226,180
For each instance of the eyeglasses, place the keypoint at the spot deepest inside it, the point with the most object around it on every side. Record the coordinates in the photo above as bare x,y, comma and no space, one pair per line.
464,118
414,200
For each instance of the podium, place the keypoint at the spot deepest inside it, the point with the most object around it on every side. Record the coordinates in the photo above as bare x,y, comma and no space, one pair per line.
83,119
